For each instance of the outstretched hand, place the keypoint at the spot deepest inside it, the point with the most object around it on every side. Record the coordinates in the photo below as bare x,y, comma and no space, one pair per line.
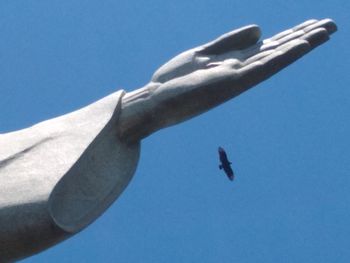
203,77
242,51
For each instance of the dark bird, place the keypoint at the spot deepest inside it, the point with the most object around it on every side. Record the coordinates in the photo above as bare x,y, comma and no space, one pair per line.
225,164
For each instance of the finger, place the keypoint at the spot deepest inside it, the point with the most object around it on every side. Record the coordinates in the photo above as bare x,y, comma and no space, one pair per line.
327,24
278,50
234,40
267,66
305,27
280,38
258,56
287,32
289,37
316,37
305,24
317,32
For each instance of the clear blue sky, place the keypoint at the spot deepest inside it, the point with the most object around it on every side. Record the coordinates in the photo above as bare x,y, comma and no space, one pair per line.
288,138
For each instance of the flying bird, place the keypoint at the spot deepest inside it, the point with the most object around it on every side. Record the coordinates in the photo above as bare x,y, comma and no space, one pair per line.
225,164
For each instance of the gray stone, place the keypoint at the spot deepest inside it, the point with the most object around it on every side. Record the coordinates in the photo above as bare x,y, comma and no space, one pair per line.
60,175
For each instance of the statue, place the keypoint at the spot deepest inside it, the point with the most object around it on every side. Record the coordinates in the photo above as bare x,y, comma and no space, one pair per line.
59,175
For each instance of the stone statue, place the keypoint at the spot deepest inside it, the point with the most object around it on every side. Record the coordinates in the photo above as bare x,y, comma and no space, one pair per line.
59,175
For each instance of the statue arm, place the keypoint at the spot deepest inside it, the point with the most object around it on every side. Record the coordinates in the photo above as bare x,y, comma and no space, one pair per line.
206,76
78,165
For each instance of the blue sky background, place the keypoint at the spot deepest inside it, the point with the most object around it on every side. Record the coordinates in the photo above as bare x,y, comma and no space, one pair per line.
288,138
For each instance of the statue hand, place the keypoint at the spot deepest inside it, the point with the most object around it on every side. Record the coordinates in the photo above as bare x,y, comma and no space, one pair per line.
206,76
242,50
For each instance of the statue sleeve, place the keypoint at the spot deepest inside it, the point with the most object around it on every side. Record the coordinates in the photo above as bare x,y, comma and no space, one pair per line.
75,164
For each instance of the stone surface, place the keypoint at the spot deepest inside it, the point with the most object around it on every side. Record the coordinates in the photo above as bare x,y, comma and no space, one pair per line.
60,175
206,76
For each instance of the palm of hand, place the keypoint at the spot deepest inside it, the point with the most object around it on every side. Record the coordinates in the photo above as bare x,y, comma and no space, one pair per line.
240,56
